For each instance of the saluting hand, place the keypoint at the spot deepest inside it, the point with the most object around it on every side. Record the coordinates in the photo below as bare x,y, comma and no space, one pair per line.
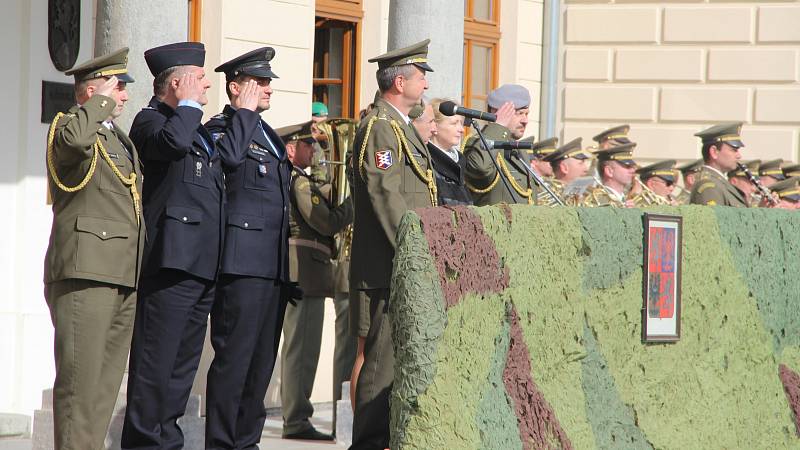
108,87
247,97
189,88
505,114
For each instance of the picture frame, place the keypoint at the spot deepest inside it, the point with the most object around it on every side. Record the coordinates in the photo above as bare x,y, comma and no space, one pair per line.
661,278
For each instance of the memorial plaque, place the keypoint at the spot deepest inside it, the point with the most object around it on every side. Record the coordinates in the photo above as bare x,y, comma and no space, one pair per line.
56,98
661,274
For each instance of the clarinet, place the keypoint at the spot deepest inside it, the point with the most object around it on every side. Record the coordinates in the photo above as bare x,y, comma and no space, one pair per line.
763,190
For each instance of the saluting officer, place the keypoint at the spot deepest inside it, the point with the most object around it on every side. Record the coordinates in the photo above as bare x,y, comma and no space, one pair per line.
510,102
253,283
721,144
183,208
314,223
392,173
92,262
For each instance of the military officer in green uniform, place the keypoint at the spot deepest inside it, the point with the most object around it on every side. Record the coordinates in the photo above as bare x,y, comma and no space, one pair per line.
92,263
314,222
616,168
392,173
540,151
770,172
513,184
721,144
689,171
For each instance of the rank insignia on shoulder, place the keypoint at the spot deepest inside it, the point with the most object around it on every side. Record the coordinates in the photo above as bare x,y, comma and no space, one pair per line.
711,202
383,159
216,136
315,199
705,186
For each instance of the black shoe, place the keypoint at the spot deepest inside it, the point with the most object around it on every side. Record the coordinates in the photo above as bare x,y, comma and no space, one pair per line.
310,434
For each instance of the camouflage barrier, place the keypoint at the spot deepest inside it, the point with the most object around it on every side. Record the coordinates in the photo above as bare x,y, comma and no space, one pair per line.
520,328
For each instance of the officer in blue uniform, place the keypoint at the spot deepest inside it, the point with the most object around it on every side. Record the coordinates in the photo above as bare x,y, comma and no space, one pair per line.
254,284
183,199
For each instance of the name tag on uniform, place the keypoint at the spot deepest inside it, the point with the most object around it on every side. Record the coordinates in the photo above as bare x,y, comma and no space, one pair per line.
113,155
257,150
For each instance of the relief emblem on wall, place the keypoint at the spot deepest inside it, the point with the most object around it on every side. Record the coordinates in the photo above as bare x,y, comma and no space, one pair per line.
63,32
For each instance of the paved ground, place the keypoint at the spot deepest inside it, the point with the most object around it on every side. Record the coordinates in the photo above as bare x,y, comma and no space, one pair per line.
270,440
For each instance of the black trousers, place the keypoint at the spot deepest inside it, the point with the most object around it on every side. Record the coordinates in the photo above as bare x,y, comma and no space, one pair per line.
371,416
168,336
246,323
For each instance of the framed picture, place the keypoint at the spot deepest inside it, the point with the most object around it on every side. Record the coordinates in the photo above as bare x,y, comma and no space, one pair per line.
661,310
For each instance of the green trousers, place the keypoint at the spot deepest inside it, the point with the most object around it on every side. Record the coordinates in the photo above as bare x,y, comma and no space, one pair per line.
93,323
302,338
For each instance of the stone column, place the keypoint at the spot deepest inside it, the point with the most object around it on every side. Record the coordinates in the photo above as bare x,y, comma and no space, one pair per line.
139,25
442,21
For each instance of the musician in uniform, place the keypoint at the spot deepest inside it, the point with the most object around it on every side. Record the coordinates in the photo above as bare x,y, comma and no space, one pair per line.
613,137
739,179
568,163
616,168
787,193
92,263
538,152
770,172
253,285
792,170
392,173
314,223
513,183
721,144
689,173
658,183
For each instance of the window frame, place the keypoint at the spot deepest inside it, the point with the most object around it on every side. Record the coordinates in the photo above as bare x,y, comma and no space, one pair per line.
349,11
486,34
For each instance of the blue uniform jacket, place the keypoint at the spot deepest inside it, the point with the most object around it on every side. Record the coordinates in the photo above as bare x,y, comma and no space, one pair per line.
257,184
184,192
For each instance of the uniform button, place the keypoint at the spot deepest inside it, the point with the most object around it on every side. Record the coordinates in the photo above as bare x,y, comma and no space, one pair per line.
104,233
246,224
185,218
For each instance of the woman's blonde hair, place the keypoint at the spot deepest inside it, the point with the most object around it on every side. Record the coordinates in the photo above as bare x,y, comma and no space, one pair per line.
437,115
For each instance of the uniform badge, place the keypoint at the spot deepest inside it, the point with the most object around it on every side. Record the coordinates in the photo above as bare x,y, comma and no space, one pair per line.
262,169
315,199
216,136
198,169
383,159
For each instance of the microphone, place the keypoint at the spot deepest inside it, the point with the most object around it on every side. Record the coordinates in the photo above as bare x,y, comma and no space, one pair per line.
449,108
509,145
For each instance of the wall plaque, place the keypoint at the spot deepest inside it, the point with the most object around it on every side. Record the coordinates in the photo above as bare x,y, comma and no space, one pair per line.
63,32
56,97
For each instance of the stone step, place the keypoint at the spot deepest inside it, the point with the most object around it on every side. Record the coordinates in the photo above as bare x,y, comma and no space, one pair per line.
192,406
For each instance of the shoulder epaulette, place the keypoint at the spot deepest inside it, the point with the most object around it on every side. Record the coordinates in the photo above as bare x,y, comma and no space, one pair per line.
705,186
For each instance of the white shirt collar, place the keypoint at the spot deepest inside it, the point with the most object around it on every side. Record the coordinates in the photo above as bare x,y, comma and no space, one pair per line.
404,116
612,191
108,124
715,170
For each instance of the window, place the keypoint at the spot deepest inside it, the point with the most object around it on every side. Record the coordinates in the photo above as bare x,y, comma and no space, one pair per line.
336,52
195,11
481,58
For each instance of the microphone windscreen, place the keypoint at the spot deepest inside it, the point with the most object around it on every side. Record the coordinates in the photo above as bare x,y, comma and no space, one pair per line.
448,108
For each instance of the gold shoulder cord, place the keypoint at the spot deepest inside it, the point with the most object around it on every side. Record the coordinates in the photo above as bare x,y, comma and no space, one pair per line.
130,181
427,176
525,193
364,146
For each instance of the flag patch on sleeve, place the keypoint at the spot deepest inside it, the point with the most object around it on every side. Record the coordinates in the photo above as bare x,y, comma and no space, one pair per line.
383,159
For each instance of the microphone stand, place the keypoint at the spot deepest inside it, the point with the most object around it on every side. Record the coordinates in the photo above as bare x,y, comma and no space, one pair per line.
539,180
486,146
535,175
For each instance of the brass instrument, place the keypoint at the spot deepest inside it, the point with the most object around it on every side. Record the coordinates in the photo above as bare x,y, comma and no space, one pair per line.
647,197
340,134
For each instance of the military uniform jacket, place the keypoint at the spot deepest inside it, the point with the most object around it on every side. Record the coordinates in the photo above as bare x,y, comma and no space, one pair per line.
95,234
450,178
711,188
257,188
389,163
482,178
602,196
183,190
314,223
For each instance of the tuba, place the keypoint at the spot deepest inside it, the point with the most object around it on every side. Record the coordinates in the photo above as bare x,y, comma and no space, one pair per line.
340,134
